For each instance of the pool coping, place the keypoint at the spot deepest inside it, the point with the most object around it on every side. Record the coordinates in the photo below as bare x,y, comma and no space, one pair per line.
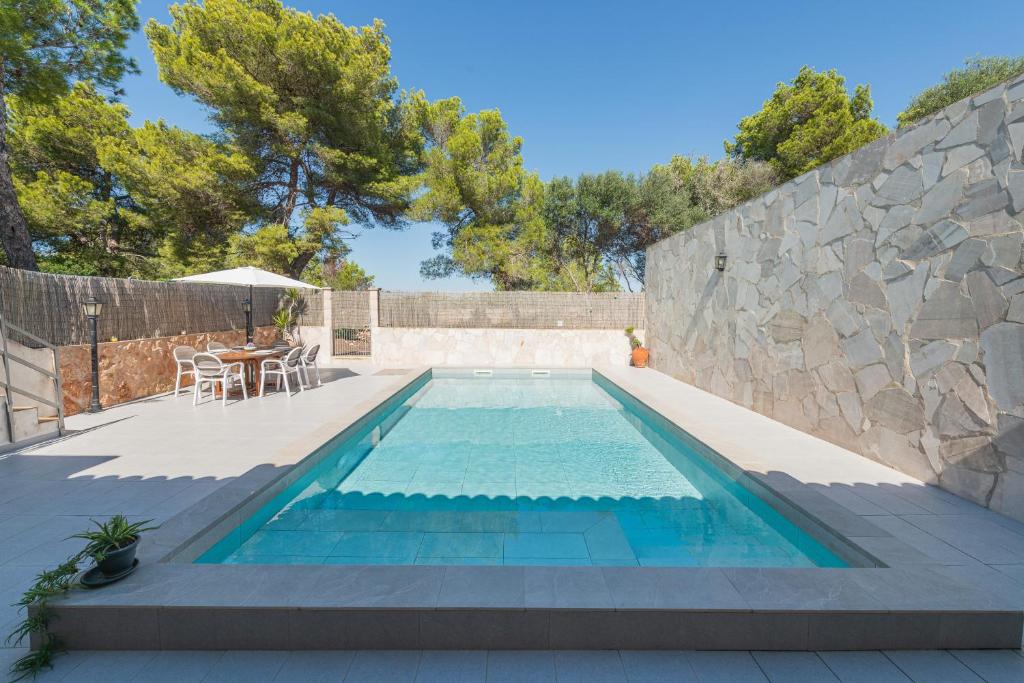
170,603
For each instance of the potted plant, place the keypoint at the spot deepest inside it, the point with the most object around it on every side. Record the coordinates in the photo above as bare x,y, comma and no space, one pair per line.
112,544
640,354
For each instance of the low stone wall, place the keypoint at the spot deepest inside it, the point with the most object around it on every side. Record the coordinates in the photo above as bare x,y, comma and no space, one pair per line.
137,368
877,302
395,347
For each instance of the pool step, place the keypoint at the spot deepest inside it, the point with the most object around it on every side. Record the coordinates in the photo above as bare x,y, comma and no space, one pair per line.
171,606
486,628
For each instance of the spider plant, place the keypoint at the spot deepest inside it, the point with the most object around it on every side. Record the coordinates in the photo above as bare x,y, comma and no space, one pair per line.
114,534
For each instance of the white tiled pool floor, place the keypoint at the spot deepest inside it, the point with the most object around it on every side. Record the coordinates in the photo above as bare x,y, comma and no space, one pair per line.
158,457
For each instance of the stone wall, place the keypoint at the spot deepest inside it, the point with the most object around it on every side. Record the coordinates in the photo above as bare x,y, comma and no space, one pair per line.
877,302
455,347
137,368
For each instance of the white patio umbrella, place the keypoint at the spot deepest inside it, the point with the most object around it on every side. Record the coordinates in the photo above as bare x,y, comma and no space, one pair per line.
247,275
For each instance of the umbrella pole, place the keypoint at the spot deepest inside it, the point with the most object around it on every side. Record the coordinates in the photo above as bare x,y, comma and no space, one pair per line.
248,319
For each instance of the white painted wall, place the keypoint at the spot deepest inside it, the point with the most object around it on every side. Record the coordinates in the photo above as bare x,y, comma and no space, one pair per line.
404,347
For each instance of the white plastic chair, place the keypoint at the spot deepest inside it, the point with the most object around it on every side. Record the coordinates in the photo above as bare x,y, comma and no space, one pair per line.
281,368
211,370
308,360
183,356
216,347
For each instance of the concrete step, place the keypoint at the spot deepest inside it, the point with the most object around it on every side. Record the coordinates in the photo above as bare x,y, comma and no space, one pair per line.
5,438
29,425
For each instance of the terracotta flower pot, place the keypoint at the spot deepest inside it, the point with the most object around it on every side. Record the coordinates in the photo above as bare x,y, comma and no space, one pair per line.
640,356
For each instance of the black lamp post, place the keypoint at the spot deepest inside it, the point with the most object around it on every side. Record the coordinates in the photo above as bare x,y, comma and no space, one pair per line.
247,306
720,262
92,309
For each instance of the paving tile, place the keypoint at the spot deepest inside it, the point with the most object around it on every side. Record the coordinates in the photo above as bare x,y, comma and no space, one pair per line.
527,666
246,667
596,666
174,666
483,587
315,667
932,666
657,667
995,666
562,587
394,666
793,667
725,667
104,666
863,667
801,589
657,588
452,666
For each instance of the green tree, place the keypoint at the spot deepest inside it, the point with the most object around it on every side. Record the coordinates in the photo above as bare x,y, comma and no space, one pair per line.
807,123
44,45
102,198
346,275
714,187
978,75
583,219
311,103
81,217
475,185
194,194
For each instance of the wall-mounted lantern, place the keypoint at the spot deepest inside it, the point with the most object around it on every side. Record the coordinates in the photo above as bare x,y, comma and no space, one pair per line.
720,262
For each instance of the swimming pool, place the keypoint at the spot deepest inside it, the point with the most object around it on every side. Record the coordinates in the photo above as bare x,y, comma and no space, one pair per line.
519,468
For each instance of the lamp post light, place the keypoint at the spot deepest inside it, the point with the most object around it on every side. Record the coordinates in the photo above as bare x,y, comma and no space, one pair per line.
720,262
247,307
92,309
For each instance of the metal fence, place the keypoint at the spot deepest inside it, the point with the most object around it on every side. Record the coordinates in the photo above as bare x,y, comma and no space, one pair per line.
520,310
350,315
50,306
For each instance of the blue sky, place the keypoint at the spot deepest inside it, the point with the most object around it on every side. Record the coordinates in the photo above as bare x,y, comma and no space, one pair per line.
595,85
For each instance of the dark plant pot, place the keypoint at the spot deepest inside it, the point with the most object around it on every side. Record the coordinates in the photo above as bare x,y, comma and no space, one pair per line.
119,560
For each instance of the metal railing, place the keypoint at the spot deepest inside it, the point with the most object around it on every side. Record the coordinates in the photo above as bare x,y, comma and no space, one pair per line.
7,383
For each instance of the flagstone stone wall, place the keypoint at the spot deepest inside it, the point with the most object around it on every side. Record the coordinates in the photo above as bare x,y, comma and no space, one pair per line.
877,302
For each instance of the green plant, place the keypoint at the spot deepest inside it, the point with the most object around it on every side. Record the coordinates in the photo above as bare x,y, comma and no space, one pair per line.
114,534
48,584
282,320
977,75
634,342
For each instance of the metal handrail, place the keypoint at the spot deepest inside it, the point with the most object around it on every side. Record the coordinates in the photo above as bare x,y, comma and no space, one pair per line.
9,389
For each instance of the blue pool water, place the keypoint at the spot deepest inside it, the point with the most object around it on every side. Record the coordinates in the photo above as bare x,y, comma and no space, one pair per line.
557,470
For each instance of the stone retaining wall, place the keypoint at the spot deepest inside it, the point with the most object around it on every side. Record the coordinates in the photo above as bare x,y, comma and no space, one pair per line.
395,347
137,368
877,302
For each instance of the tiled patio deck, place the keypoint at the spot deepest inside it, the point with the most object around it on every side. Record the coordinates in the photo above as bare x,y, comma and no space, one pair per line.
156,458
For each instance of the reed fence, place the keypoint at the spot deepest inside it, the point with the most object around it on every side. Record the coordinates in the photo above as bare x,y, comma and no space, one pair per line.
50,306
518,310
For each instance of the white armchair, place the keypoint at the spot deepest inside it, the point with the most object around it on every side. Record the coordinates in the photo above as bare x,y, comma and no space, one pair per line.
280,368
183,356
211,370
308,360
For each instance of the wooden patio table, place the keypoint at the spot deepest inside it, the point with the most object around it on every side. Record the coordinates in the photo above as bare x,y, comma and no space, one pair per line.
251,361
